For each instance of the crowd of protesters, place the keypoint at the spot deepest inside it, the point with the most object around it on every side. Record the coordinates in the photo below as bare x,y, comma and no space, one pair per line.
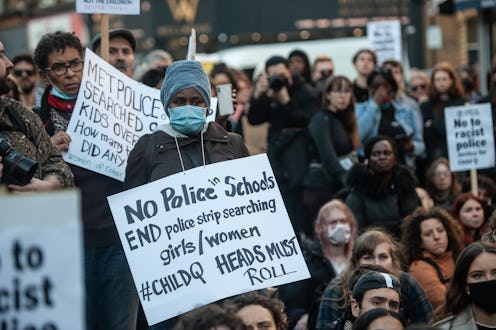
391,236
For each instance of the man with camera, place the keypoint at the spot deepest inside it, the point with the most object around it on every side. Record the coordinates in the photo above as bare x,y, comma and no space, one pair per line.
287,103
28,161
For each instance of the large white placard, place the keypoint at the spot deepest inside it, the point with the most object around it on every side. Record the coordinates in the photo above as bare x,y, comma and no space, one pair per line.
470,136
117,7
385,38
206,234
41,263
111,113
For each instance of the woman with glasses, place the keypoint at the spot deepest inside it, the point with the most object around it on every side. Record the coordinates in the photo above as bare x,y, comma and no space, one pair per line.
470,301
442,184
382,191
382,114
445,91
334,134
418,87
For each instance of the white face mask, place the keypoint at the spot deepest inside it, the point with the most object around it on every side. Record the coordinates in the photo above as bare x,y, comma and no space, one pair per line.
339,234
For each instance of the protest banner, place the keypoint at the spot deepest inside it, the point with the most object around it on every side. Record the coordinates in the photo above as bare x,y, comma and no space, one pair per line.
470,136
41,262
385,39
117,7
205,234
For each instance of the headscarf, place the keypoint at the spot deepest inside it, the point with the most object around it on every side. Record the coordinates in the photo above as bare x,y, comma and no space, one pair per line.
181,75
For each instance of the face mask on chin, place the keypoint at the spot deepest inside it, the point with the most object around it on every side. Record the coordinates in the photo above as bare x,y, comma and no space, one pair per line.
482,295
187,119
339,234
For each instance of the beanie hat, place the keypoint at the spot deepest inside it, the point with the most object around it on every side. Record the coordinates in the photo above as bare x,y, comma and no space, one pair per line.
181,75
375,280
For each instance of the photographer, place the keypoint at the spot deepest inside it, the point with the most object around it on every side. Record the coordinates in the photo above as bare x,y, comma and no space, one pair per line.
383,114
287,103
23,142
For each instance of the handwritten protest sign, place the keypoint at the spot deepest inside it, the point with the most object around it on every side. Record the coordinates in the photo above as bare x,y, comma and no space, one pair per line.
470,136
41,262
118,7
385,38
206,234
111,113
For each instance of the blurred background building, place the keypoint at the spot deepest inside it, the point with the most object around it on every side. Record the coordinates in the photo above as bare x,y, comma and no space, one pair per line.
459,31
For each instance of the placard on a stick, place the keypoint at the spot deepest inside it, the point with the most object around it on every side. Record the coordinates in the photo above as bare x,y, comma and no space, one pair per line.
117,7
470,137
209,233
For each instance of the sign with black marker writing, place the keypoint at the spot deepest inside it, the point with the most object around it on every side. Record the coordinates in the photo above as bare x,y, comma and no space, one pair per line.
206,234
117,7
41,262
470,136
385,39
111,113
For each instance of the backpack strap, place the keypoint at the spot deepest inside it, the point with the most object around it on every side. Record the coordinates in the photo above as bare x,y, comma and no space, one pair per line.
438,270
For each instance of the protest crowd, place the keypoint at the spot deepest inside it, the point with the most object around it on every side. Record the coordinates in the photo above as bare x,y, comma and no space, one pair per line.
393,238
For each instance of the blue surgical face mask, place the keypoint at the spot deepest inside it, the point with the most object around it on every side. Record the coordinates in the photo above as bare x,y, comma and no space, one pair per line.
187,119
61,95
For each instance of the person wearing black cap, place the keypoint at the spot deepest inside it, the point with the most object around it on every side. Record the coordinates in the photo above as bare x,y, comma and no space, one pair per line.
375,290
122,46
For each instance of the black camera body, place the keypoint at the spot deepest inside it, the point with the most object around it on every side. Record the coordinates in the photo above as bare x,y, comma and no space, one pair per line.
17,169
276,82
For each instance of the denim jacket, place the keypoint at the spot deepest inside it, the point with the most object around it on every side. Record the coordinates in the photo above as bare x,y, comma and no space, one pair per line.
369,117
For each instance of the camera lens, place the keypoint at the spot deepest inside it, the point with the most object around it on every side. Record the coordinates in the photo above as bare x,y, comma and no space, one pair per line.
18,169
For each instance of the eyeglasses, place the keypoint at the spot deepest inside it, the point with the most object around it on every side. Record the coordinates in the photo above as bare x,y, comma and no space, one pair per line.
60,69
19,72
416,88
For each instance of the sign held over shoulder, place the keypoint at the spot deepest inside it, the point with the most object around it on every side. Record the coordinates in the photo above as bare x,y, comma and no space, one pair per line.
208,233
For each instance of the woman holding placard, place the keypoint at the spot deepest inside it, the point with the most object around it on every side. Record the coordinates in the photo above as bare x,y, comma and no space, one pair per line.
188,140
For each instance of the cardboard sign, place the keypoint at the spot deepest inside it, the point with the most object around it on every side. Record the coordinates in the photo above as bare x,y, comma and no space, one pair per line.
117,7
208,233
385,38
41,262
470,136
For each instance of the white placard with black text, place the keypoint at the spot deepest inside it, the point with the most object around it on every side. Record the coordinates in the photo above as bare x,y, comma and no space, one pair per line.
470,136
385,39
116,7
41,262
208,233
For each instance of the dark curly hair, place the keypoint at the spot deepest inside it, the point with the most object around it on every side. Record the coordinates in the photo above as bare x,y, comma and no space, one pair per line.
366,319
411,238
386,74
57,41
273,305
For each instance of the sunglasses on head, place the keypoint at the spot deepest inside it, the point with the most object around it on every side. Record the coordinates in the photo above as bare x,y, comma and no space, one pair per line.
19,72
416,88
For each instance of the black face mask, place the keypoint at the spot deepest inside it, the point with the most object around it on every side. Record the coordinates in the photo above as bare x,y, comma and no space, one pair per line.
482,294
